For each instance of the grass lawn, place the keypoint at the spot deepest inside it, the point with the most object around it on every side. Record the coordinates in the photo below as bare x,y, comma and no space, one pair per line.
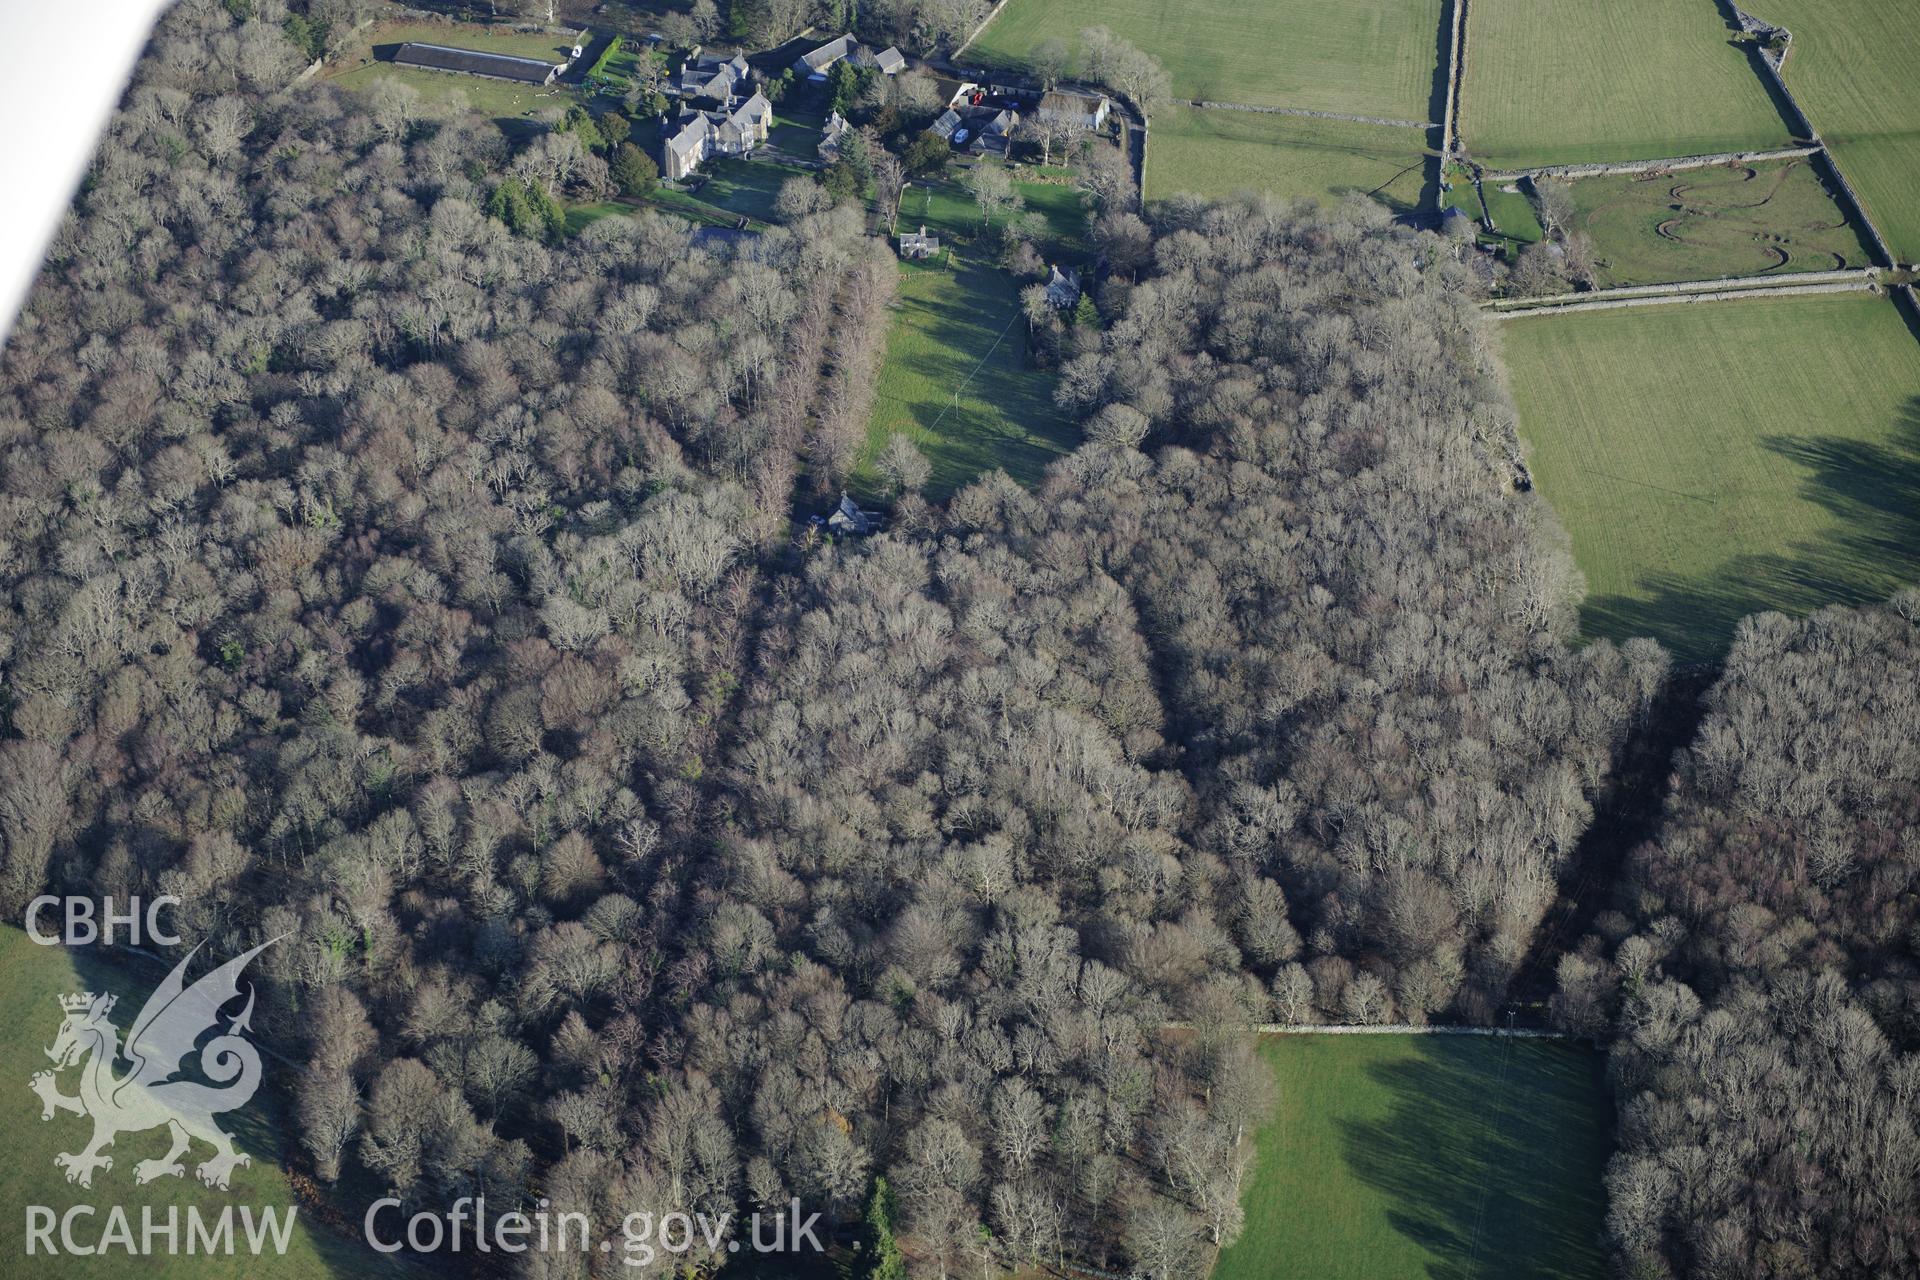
1566,82
1513,213
957,380
1516,224
1362,57
625,64
34,976
1410,1156
1216,153
796,131
1704,223
1062,211
1853,70
386,37
745,186
1716,460
503,100
582,216
366,63
947,209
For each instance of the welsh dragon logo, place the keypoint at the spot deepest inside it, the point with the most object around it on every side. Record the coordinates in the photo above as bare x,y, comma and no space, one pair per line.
149,1095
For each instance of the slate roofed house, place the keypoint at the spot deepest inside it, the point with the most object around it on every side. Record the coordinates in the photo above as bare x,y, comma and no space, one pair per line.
695,136
1063,288
495,66
888,62
687,145
755,117
849,518
713,77
1087,110
993,131
830,135
943,127
918,244
814,64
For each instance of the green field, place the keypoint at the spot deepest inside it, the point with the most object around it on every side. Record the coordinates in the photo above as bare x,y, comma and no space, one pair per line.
389,36
1361,57
1513,213
1715,460
367,64
1702,224
1853,70
796,132
501,99
34,976
1417,1156
957,379
747,187
1217,153
1567,82
1516,225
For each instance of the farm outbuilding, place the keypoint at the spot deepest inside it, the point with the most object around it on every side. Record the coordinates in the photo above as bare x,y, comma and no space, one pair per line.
1085,110
473,62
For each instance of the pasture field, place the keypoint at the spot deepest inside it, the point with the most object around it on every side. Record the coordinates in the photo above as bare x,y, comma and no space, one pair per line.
1216,153
1516,223
1701,224
1852,70
503,100
34,976
957,380
1404,1157
1715,460
385,38
1513,213
1567,82
367,63
1359,57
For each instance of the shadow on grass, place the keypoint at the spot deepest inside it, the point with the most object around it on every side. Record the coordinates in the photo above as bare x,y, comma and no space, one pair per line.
958,380
1872,489
748,187
1790,116
1492,1151
1436,113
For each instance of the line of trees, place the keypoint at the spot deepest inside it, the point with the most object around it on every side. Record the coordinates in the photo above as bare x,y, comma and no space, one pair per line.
1764,979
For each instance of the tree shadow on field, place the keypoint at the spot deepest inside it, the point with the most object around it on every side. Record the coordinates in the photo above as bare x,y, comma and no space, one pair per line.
1436,113
1492,1154
1871,488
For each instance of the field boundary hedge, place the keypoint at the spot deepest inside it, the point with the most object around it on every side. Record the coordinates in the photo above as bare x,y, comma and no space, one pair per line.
1674,163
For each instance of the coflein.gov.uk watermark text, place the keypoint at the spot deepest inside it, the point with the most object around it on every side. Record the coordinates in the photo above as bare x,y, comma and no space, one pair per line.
643,1237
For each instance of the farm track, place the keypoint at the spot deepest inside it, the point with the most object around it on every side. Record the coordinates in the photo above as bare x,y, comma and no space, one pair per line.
1544,306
